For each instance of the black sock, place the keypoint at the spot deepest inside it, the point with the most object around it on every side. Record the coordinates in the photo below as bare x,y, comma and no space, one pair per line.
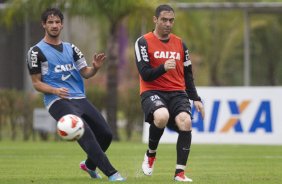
155,135
178,171
183,148
151,154
90,165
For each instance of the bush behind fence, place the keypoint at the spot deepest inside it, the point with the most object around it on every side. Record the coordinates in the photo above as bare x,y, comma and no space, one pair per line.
16,112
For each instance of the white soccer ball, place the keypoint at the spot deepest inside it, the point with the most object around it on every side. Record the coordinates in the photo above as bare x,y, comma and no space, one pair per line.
70,127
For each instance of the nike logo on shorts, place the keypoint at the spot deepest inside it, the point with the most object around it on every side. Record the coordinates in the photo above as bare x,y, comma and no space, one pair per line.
65,77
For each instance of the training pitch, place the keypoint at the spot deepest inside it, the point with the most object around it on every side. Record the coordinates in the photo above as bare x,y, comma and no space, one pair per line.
58,162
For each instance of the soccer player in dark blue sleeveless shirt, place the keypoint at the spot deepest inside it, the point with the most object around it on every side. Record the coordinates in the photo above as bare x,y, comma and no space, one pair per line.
57,70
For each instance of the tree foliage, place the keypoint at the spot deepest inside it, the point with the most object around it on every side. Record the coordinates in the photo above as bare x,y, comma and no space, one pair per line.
215,40
114,11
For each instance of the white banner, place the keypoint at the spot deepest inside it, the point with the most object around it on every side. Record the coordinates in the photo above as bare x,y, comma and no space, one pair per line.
235,115
43,121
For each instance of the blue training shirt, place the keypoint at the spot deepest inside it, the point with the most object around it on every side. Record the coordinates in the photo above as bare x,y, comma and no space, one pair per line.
60,69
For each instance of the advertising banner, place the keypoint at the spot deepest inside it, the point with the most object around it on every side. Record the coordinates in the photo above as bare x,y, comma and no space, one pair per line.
235,115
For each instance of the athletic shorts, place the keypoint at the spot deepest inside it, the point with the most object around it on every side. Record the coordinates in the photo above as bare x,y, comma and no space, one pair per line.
175,101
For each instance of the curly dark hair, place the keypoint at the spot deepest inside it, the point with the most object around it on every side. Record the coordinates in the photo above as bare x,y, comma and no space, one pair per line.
51,11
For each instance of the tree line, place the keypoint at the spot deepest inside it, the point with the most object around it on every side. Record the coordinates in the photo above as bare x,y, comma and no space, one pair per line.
215,41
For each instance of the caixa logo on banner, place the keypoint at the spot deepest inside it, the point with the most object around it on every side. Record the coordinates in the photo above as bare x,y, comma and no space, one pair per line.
232,111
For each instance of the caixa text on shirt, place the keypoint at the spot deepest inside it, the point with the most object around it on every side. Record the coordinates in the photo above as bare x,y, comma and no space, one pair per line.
167,55
64,68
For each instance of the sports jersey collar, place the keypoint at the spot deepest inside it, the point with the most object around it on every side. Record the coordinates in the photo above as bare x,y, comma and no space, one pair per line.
58,47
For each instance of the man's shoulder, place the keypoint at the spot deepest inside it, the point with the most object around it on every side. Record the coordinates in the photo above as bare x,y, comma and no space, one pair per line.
34,49
149,35
175,37
40,43
141,40
68,44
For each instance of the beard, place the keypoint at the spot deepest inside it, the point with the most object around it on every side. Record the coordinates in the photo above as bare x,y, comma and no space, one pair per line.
166,31
54,34
165,34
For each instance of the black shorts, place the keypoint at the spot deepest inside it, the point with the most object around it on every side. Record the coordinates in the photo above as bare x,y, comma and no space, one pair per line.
77,107
175,101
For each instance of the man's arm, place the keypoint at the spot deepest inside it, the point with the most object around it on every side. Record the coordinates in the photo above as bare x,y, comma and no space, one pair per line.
188,75
80,62
143,63
34,59
189,83
45,88
98,60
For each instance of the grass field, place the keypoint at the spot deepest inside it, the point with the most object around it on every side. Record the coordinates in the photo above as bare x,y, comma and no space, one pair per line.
57,162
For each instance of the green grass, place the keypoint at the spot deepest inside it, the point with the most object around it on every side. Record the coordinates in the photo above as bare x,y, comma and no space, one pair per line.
57,162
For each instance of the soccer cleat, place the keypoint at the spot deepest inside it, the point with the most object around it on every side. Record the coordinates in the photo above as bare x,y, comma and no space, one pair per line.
181,177
93,174
148,165
116,177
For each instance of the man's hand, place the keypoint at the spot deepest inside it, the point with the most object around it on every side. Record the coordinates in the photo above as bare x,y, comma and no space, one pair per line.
62,92
98,60
200,108
169,64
